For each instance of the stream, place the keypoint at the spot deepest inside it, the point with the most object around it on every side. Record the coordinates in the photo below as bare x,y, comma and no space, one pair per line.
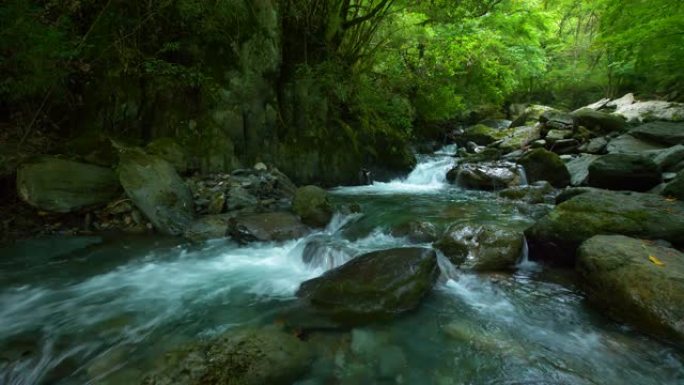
100,310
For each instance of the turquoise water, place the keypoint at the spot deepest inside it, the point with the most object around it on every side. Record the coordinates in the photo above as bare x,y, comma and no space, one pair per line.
94,310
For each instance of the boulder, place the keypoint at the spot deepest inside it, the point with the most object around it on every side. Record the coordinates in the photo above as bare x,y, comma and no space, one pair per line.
555,119
157,190
520,137
240,357
416,231
531,115
675,188
169,150
598,121
555,135
499,124
62,186
627,144
534,194
623,102
663,133
558,235
652,111
541,164
374,286
208,227
579,169
670,158
312,204
635,281
564,146
595,146
598,105
266,227
480,134
624,172
481,248
239,198
485,176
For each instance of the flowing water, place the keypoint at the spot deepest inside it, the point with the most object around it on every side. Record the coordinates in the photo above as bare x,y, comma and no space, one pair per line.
93,310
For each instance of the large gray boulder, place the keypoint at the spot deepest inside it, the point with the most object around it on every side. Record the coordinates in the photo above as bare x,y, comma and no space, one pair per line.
635,281
239,357
653,110
624,172
665,133
312,204
374,286
627,144
266,227
670,158
63,186
557,236
157,190
541,164
481,248
597,121
579,169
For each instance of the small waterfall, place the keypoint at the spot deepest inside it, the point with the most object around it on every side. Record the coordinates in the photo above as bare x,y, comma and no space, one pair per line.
523,175
524,262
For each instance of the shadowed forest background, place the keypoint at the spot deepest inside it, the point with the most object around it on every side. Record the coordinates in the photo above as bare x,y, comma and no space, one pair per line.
319,88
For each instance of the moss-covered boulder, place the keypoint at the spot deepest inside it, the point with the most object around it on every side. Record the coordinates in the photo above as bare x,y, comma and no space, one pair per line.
63,186
416,231
557,236
520,137
481,134
541,164
481,248
635,281
374,286
531,115
312,204
539,192
266,227
624,172
208,227
240,357
169,150
598,121
157,190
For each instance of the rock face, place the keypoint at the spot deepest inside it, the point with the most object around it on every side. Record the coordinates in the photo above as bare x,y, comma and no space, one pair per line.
482,248
485,176
312,204
624,172
620,277
63,186
558,235
157,190
666,133
243,357
598,121
374,286
540,165
266,227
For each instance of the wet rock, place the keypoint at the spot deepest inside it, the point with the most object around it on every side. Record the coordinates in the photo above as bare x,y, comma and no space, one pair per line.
579,169
664,133
595,146
624,172
327,253
627,144
217,203
239,198
541,164
520,137
157,190
597,121
374,286
266,227
534,194
481,248
312,204
242,357
485,176
283,184
169,150
675,188
416,231
668,159
557,120
652,111
208,227
531,115
554,136
557,236
622,278
62,186
480,134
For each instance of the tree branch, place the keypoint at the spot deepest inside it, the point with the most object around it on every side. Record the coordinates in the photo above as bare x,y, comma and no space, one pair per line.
384,4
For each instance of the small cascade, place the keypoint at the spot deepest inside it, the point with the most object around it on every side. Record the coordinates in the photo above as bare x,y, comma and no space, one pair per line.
523,176
524,262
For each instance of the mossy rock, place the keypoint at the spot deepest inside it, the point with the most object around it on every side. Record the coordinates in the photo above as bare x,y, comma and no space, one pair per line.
541,164
624,172
598,122
635,281
481,248
169,150
312,204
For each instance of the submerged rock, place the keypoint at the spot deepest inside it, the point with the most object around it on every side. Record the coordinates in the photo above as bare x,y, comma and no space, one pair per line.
635,281
558,235
266,227
157,190
312,204
624,172
485,176
545,165
481,248
374,286
63,186
242,357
